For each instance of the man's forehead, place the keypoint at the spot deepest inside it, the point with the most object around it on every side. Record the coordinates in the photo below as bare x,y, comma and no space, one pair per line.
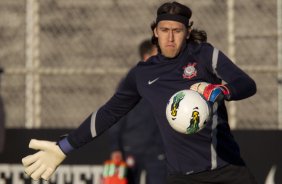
170,24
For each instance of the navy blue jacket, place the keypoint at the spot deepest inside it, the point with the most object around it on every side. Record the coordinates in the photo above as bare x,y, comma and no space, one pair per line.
137,132
156,81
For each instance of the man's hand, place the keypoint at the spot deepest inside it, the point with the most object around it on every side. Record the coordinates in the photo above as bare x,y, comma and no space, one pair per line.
212,92
43,163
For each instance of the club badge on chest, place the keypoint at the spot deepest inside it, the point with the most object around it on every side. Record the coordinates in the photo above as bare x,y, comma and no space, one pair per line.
189,71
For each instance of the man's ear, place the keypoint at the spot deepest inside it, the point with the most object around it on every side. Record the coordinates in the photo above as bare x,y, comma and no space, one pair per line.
155,33
188,33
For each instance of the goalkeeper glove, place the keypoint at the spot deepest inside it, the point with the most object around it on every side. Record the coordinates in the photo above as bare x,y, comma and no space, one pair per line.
43,163
212,92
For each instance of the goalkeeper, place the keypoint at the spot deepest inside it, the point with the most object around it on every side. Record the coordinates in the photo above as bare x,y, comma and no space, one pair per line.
183,61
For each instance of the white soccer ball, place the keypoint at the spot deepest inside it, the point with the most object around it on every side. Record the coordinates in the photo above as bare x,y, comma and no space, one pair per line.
187,111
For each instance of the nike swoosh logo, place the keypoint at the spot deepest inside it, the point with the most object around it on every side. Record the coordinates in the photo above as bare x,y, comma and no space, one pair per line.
151,82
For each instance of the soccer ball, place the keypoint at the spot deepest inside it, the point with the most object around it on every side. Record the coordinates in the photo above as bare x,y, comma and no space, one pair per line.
187,111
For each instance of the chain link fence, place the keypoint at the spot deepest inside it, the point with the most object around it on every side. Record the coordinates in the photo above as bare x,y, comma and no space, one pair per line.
64,58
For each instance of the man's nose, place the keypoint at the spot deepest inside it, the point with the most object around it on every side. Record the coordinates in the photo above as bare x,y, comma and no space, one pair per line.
171,36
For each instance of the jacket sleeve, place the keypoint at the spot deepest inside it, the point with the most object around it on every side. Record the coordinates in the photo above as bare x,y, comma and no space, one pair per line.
125,98
240,84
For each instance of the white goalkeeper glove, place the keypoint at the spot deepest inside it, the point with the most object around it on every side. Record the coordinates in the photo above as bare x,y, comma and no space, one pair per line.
43,163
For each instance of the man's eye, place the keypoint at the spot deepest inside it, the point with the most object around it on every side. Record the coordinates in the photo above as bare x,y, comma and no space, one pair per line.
164,30
178,30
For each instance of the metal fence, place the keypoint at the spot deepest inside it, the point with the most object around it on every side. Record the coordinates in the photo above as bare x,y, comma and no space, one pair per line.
64,58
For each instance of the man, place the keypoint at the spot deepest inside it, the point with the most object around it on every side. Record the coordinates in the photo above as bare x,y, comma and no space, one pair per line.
209,156
136,137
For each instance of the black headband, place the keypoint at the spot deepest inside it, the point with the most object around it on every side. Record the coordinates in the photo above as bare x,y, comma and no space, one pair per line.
178,18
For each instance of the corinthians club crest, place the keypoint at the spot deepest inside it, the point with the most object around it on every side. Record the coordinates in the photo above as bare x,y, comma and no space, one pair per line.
189,71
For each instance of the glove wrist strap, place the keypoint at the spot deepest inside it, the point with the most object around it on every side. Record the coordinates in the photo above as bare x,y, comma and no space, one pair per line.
65,146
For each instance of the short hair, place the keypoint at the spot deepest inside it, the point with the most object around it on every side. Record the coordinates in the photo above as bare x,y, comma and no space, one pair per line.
145,47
